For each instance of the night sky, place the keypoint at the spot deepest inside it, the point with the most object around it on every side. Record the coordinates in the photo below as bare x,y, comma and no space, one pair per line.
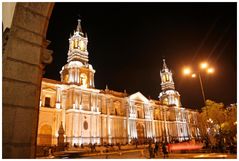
127,42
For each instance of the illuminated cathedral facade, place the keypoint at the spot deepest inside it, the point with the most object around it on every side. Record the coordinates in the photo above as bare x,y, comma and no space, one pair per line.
83,114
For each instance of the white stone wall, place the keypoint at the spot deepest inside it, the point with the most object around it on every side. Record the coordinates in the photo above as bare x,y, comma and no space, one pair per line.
52,118
92,117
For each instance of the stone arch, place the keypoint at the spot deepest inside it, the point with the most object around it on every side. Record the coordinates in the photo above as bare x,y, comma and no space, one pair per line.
24,57
140,132
45,135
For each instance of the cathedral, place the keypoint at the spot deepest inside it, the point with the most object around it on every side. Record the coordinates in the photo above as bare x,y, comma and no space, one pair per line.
83,114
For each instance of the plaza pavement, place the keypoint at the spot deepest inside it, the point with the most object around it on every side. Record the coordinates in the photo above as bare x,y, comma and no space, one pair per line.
130,152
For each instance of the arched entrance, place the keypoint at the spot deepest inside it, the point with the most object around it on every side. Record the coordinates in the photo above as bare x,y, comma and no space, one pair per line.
140,132
45,135
24,57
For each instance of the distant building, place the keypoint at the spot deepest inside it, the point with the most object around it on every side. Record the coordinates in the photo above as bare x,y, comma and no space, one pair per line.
90,115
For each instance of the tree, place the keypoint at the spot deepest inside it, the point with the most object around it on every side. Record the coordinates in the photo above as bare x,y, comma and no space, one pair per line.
229,127
216,122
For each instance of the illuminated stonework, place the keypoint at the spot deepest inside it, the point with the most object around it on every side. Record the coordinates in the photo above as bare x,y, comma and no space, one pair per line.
90,115
77,70
169,96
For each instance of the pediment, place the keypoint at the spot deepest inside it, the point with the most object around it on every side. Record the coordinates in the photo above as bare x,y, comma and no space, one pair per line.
49,89
138,97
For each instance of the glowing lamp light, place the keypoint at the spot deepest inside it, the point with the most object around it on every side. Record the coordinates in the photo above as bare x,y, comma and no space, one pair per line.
204,65
186,71
210,120
210,70
193,75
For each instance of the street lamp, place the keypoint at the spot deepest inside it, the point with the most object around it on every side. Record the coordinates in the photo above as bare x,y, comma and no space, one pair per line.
210,70
187,71
203,66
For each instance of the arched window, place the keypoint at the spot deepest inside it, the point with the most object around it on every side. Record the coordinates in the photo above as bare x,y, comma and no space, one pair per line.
83,80
164,78
45,135
167,77
72,45
66,78
82,46
75,43
117,110
165,101
140,113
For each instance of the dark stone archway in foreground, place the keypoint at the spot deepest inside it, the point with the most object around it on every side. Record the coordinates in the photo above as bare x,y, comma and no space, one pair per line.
24,57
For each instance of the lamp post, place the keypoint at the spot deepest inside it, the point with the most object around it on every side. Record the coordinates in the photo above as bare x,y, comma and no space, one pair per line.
203,94
209,70
203,66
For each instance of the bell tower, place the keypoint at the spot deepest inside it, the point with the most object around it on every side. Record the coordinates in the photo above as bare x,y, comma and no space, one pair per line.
78,46
166,78
168,96
77,70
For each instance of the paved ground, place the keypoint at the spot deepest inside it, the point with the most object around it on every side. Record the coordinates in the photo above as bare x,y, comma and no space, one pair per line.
138,155
129,152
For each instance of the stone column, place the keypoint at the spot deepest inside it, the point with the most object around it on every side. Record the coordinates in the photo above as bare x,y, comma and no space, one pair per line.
63,105
80,100
24,55
81,127
90,102
153,123
101,130
107,120
91,128
165,124
127,121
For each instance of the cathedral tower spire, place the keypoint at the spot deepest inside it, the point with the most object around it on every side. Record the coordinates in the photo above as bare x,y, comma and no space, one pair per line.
78,46
77,70
164,65
168,96
78,28
166,78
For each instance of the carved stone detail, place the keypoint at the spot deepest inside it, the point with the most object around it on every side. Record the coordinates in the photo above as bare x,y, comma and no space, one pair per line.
46,57
5,37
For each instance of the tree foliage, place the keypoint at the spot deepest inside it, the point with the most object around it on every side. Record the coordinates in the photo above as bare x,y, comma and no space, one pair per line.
218,122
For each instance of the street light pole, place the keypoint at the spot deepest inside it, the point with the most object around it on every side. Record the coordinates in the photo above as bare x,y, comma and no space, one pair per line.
204,66
203,94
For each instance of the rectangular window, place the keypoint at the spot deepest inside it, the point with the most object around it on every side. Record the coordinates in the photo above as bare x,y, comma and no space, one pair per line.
47,102
167,77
